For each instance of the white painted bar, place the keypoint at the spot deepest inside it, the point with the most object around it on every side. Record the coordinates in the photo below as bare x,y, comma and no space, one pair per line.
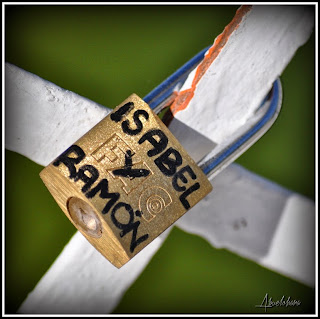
259,220
240,77
82,281
42,119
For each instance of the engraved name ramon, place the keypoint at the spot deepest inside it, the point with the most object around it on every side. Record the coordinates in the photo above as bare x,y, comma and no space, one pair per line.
168,160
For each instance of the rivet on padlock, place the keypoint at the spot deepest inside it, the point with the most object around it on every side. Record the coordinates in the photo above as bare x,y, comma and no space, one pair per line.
125,181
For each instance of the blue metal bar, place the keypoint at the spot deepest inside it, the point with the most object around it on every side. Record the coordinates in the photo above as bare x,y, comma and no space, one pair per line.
165,89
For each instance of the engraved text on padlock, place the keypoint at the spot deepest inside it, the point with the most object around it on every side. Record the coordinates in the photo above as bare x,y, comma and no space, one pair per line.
125,181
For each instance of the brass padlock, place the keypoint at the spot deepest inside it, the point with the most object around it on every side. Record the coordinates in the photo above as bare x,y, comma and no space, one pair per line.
125,181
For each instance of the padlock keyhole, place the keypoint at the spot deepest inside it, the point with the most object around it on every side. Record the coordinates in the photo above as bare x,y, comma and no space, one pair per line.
84,216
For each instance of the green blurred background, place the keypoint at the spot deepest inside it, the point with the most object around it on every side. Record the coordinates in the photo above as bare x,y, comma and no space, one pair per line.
105,53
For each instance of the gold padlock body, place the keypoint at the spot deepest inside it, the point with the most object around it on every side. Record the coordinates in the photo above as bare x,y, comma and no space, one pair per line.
125,181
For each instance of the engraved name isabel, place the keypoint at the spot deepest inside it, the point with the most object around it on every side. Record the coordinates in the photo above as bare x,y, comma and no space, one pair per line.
167,159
